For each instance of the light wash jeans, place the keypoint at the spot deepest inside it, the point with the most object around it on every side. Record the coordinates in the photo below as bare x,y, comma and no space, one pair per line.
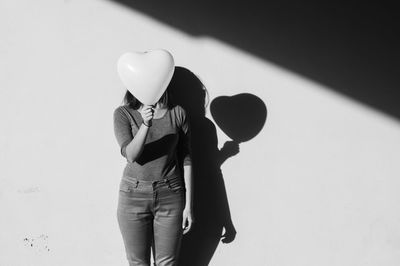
149,215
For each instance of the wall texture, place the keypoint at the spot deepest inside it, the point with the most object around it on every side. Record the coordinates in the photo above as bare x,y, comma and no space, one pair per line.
317,186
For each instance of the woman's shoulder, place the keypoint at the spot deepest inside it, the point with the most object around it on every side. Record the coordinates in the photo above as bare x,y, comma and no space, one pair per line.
125,110
120,109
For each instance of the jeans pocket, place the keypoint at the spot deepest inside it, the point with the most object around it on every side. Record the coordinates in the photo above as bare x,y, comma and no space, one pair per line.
125,187
176,187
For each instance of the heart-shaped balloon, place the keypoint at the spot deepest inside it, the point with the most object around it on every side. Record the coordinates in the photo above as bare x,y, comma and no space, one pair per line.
146,74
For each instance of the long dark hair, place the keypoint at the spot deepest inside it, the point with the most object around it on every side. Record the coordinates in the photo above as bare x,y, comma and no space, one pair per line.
134,102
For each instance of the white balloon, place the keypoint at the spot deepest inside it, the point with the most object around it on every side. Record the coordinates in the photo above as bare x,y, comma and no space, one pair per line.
146,74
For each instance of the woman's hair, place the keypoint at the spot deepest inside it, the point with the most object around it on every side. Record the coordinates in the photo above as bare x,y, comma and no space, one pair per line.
134,103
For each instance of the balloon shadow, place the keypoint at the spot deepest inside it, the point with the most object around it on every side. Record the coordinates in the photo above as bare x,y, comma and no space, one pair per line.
241,116
210,203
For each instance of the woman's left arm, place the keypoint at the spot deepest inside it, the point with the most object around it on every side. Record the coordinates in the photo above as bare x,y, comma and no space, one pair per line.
186,153
187,212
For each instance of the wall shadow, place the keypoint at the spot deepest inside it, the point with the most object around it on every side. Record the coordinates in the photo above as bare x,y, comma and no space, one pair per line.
210,203
349,47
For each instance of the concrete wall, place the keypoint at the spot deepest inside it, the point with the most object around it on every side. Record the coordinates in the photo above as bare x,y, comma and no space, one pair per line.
317,186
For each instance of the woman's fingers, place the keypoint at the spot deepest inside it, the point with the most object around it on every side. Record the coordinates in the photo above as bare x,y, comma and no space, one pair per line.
187,224
148,108
147,112
147,116
184,220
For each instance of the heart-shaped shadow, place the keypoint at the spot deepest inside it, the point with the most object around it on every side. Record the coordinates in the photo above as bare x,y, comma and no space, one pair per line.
241,117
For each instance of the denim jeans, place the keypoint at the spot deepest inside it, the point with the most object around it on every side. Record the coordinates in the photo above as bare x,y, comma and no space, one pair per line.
149,215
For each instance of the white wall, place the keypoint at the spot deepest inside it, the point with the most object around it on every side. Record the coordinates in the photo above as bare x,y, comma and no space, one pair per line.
318,185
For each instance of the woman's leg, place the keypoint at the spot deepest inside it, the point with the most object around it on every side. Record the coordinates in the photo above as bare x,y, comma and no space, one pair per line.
135,219
167,225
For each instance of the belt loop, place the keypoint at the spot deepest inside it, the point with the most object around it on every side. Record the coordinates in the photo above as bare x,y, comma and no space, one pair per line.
166,180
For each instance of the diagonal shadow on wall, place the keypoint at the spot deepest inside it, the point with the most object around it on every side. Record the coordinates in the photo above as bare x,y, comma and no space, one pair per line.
349,47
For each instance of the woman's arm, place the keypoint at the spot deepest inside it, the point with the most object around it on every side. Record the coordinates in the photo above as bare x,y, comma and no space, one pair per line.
135,147
185,149
188,218
187,169
131,146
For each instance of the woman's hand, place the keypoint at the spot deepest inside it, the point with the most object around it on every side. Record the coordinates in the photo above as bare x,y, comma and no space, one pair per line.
187,220
147,113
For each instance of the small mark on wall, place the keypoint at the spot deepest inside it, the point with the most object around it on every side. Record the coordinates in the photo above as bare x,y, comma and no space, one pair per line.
39,243
29,190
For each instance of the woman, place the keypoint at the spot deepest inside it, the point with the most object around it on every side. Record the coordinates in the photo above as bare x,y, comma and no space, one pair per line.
155,191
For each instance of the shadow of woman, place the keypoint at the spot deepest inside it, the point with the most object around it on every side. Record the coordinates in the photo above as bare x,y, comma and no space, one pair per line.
210,204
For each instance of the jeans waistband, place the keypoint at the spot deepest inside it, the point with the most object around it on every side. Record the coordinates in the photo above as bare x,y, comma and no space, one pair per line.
136,181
